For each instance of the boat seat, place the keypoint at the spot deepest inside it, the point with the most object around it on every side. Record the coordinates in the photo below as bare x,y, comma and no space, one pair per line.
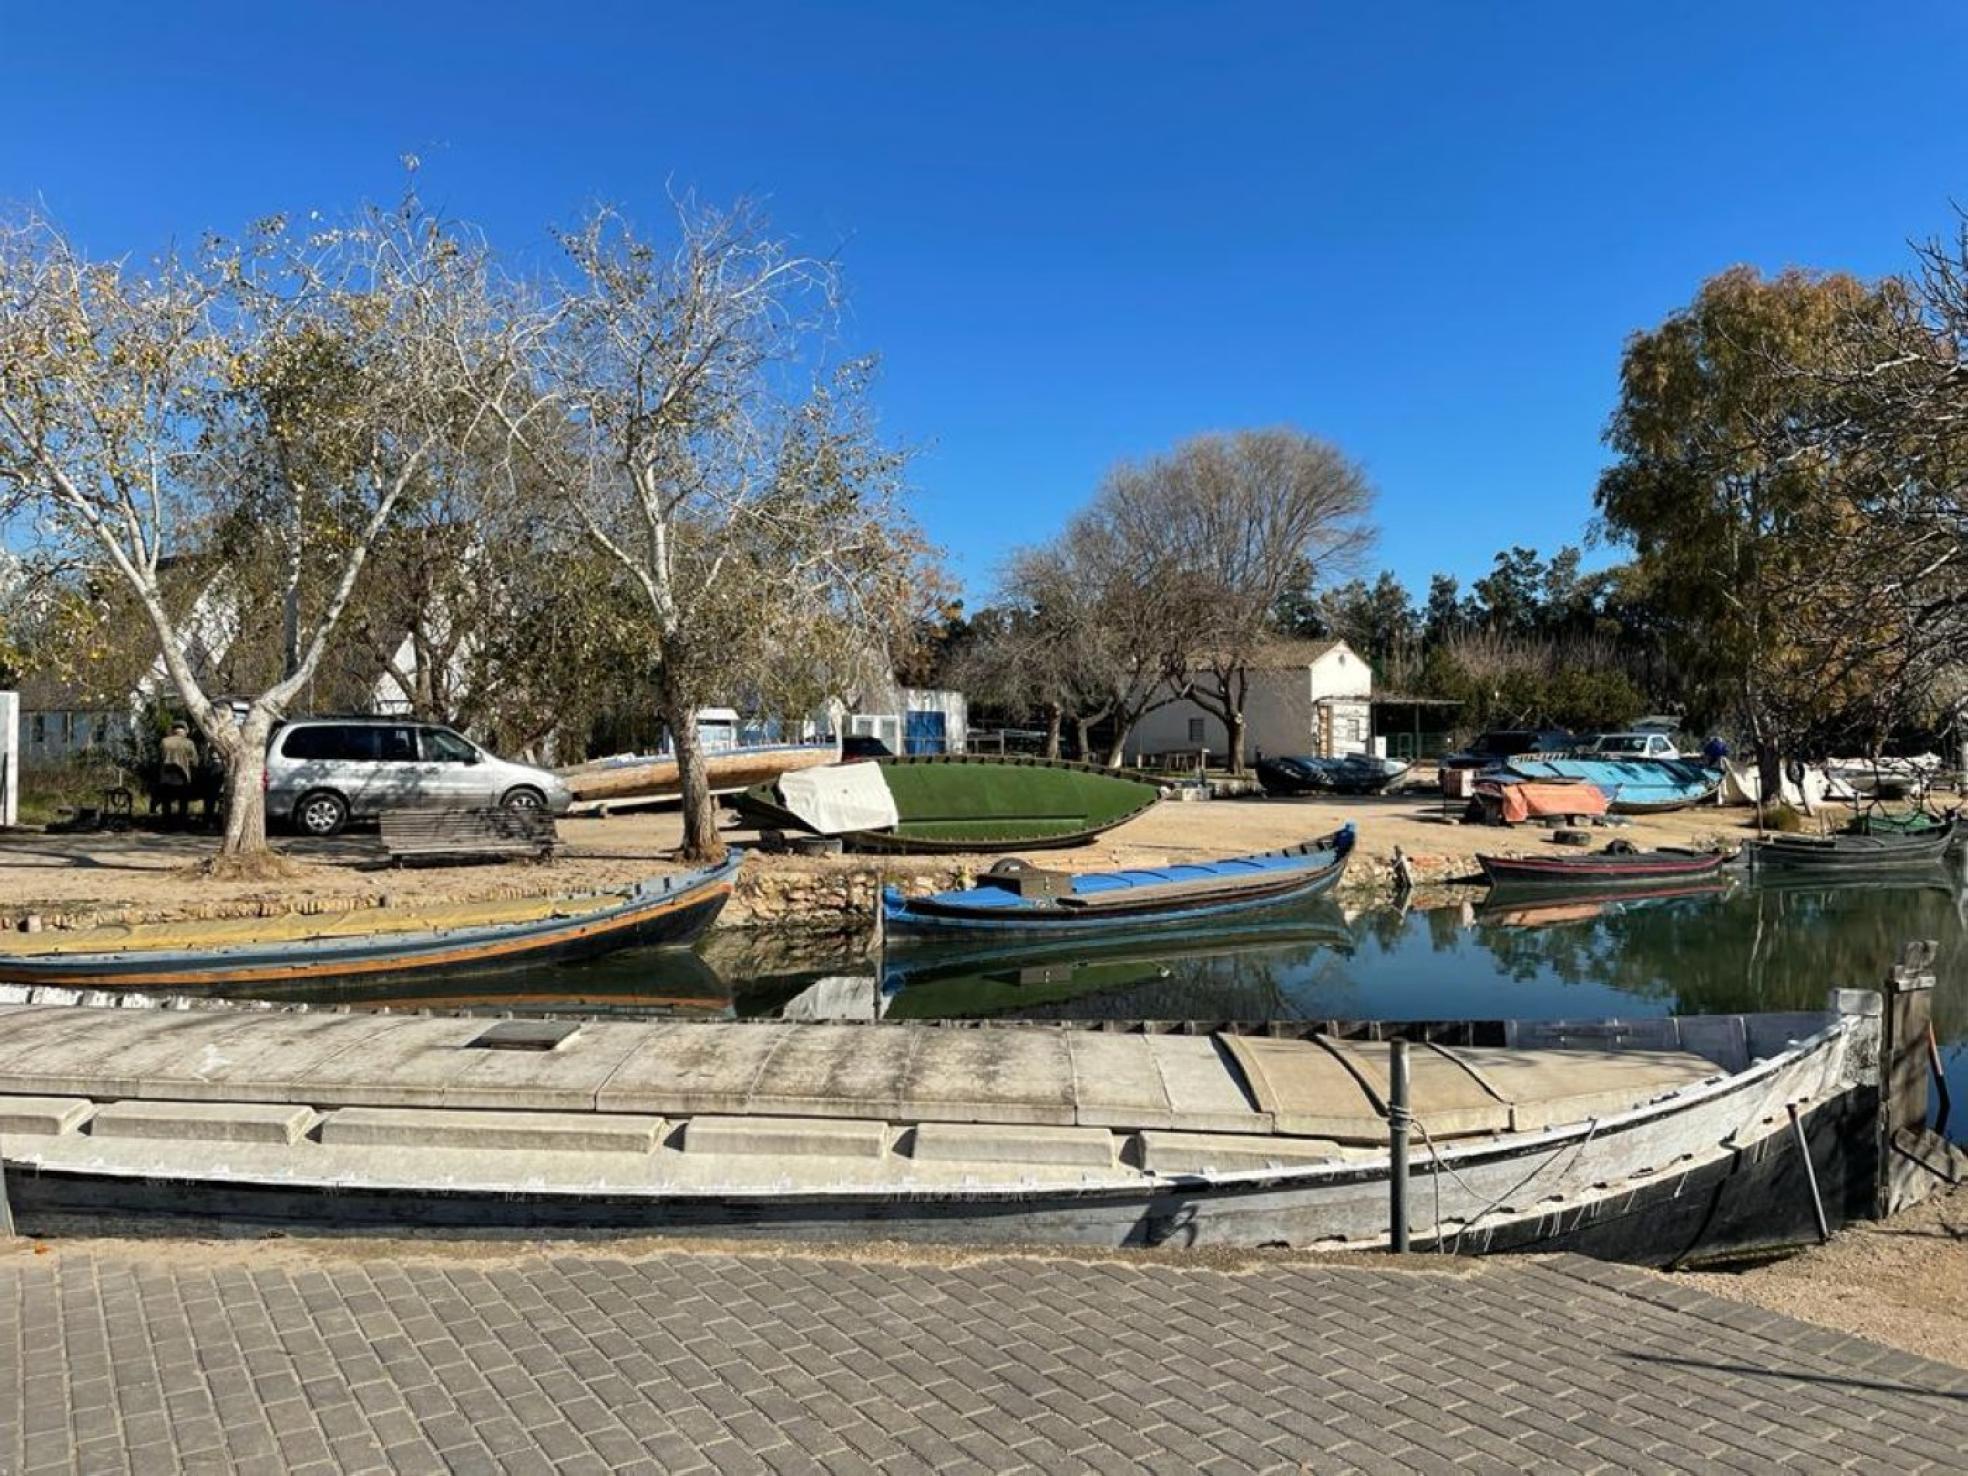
459,833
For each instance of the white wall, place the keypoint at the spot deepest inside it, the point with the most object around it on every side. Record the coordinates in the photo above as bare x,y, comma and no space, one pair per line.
1281,713
9,759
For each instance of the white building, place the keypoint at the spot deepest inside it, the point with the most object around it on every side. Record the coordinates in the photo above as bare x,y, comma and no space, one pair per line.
1304,698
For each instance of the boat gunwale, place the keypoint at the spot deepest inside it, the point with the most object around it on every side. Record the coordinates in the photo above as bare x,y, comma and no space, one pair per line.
1229,1183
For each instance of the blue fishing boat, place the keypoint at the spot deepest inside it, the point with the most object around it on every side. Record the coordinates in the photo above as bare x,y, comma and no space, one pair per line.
1635,786
1016,897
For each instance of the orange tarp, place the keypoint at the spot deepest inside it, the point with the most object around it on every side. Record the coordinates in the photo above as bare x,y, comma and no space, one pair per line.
1521,802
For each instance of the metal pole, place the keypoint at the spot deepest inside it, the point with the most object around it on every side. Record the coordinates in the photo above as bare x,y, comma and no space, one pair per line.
1397,1145
1810,1174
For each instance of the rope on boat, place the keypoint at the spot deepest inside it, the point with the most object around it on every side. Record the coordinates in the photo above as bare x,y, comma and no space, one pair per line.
1441,1168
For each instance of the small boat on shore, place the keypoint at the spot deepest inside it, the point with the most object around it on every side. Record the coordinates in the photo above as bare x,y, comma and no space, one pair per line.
1851,855
635,778
1355,773
1631,786
1903,822
1017,897
374,943
948,804
1619,864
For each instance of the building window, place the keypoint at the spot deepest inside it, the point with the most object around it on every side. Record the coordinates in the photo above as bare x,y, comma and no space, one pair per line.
40,728
1195,730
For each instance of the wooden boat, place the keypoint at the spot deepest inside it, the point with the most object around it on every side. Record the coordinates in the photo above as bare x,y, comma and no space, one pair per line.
1016,897
950,804
1648,1140
1904,822
1850,855
465,938
631,778
1356,773
1617,865
1631,786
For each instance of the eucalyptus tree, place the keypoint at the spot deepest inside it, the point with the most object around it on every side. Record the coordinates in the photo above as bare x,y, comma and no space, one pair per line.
680,415
1748,530
279,393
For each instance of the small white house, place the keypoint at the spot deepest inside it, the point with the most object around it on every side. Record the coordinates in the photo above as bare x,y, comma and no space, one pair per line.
1304,698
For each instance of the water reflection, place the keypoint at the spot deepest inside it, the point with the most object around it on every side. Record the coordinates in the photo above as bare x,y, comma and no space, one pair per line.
1754,945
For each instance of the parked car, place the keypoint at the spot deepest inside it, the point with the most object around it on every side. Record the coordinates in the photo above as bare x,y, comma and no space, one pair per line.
324,772
1506,743
1653,745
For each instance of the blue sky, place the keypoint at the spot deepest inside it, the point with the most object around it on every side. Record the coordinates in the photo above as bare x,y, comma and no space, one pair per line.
1081,232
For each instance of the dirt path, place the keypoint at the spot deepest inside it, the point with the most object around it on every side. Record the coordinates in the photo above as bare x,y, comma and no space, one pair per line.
146,873
1903,1283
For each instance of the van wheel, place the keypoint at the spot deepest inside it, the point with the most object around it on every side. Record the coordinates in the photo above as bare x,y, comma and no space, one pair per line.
321,812
523,798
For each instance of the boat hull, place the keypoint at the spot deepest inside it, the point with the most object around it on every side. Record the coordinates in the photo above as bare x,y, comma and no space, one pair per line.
1852,855
1643,869
728,771
1278,886
1631,786
964,805
672,912
1713,1175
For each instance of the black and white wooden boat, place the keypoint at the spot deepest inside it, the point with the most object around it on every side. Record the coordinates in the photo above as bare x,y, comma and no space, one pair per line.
1642,1140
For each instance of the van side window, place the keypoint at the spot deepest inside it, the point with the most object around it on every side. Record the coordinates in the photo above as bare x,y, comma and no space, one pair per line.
446,748
396,745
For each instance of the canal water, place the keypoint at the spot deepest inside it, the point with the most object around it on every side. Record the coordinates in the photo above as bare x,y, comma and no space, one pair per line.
1734,946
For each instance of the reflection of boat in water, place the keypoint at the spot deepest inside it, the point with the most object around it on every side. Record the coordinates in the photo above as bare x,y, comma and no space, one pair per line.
1015,898
974,978
642,982
1546,907
449,941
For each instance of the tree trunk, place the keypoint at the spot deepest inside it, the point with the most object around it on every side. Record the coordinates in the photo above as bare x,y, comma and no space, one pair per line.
1769,774
1082,740
245,756
700,837
1055,720
1234,724
1117,750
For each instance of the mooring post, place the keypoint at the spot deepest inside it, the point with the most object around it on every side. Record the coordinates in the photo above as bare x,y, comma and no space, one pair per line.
1905,1065
1398,1118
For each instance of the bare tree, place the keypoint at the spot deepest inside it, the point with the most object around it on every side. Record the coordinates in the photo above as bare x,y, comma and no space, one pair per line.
680,418
1231,522
292,383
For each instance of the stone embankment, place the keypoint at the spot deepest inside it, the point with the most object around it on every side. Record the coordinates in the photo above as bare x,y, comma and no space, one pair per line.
83,880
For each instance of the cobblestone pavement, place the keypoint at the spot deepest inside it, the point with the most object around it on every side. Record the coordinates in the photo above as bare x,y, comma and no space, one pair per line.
314,1358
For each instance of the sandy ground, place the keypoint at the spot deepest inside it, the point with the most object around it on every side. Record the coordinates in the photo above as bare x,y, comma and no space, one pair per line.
148,873
1903,1283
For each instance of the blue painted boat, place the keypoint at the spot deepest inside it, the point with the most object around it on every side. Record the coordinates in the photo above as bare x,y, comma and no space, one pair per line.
1017,897
1631,786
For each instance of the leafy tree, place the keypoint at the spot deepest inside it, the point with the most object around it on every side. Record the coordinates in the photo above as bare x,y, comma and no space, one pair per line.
1729,527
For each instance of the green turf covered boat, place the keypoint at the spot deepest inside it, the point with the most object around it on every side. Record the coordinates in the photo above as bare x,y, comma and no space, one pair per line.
928,804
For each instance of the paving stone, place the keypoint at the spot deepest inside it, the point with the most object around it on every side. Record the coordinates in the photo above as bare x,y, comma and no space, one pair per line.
308,1360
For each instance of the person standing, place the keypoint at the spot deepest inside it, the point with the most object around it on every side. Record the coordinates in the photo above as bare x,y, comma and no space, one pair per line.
179,763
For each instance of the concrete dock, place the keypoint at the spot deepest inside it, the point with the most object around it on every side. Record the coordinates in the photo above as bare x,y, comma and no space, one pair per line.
207,1358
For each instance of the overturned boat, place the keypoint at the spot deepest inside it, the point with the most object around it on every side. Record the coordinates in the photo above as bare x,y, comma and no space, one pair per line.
1355,773
1017,897
374,943
634,778
1638,786
1650,1140
949,804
